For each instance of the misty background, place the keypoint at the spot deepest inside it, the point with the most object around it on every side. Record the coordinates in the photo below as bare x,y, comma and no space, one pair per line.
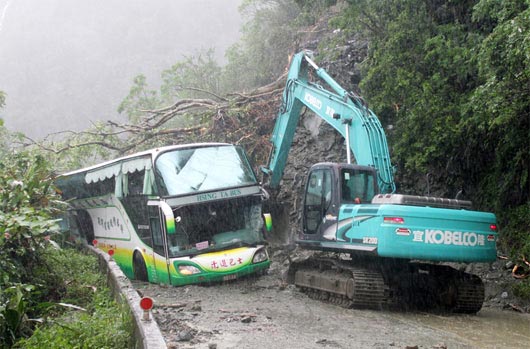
65,63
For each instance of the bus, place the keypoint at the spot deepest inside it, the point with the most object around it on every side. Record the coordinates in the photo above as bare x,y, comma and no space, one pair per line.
173,215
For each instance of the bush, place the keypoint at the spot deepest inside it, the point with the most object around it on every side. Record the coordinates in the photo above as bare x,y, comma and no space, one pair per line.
90,318
107,326
522,289
28,205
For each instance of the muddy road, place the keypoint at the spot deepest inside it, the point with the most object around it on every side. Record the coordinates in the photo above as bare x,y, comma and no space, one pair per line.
265,313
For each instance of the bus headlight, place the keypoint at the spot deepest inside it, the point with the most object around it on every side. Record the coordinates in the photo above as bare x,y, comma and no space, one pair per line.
188,270
260,256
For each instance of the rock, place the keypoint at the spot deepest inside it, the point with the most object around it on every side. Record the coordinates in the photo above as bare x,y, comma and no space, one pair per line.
185,336
504,295
246,319
328,343
509,265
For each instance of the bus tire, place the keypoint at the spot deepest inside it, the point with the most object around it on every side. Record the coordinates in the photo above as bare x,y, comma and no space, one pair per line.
139,268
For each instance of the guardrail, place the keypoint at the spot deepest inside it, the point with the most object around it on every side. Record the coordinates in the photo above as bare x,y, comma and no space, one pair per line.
146,333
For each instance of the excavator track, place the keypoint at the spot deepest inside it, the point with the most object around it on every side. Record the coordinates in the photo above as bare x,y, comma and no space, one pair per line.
415,286
342,284
470,294
429,287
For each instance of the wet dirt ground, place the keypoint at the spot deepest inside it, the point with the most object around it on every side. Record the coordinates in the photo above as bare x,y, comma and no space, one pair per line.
265,313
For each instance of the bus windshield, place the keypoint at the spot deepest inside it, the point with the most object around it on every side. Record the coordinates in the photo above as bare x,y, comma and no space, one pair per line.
215,226
188,171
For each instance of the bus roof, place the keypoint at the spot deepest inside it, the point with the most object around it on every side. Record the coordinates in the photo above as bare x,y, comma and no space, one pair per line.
152,152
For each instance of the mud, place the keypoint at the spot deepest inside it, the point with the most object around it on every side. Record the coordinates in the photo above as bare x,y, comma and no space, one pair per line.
265,313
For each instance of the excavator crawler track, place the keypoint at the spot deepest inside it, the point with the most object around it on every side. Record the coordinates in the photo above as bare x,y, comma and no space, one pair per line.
429,287
470,295
341,283
423,287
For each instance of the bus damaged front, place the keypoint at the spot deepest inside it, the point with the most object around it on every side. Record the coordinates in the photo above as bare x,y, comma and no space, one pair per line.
216,240
213,220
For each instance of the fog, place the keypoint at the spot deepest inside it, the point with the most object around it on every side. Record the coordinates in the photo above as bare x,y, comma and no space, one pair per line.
65,63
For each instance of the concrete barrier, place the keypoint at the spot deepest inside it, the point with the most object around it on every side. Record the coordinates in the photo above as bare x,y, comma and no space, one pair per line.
146,333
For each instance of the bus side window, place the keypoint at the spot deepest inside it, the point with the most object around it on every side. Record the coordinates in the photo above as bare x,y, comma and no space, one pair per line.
145,236
99,188
135,183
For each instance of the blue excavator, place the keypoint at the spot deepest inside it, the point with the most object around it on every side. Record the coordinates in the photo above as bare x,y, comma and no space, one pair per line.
379,249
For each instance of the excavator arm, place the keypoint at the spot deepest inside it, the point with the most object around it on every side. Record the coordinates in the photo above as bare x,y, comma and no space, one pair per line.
347,113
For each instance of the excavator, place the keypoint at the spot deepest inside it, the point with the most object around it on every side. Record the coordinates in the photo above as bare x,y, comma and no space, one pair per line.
375,248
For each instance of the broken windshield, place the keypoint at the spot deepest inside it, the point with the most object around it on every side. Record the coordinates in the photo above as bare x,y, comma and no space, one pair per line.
188,171
216,226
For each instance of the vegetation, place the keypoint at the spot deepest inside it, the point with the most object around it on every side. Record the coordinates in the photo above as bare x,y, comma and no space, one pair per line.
35,278
87,316
27,206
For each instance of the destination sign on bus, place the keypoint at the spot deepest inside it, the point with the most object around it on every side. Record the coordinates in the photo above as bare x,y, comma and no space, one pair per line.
212,196
218,195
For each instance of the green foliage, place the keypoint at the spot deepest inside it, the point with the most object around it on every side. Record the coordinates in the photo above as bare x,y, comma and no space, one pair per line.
108,326
140,98
104,323
80,285
13,308
28,205
453,91
515,233
500,122
259,58
522,289
193,77
419,72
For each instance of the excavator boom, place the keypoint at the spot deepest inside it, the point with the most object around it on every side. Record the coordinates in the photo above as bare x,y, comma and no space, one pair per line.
347,113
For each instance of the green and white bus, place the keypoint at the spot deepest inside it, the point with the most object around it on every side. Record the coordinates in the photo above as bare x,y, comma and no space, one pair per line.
174,215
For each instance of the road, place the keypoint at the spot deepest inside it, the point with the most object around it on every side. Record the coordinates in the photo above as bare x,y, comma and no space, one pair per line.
264,313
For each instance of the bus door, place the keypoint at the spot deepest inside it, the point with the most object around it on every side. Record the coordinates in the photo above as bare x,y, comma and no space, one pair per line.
160,214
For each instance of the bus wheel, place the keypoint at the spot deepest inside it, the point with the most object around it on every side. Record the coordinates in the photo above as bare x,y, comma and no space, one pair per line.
139,269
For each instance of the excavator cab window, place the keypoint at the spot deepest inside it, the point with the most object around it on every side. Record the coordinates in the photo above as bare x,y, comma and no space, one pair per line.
317,199
357,186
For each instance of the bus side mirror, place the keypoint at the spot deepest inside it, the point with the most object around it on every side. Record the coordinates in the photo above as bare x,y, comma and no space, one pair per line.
171,223
267,218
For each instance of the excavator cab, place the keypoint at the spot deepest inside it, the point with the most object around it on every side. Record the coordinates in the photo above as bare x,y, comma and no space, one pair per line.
330,185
